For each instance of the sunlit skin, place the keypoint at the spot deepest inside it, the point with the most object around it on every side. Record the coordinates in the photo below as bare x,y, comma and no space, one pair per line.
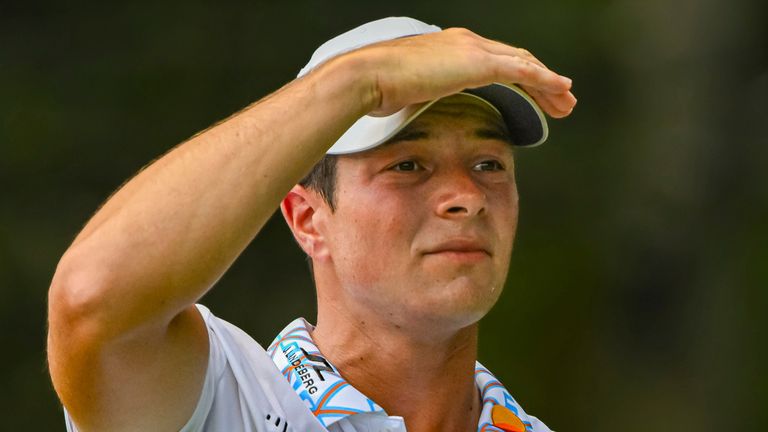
125,336
423,227
414,254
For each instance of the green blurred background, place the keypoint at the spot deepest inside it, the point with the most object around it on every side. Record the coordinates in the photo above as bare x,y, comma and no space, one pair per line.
638,285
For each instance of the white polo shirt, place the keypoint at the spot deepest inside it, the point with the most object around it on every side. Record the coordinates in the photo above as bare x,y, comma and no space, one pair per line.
294,389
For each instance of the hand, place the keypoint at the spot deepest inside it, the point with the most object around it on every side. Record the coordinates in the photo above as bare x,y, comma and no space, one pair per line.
426,67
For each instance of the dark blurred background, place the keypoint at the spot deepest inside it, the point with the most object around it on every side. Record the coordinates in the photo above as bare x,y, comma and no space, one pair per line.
638,285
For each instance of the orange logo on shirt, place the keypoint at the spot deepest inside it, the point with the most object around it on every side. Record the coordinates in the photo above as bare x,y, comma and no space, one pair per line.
505,419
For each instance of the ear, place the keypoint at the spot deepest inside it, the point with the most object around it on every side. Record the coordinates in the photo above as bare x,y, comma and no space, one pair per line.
301,209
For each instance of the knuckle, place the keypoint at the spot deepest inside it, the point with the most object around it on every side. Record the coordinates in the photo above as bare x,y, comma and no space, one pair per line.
525,52
523,67
459,30
463,33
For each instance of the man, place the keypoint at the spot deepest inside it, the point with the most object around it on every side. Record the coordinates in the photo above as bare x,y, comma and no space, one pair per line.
409,223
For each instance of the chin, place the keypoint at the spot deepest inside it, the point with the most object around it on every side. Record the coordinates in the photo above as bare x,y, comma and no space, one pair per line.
456,305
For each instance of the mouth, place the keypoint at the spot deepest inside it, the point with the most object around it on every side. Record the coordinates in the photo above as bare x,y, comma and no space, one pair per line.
460,250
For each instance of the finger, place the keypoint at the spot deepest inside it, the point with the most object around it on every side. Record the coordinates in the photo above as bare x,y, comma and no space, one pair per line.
521,71
502,49
568,101
546,104
543,102
556,106
497,47
563,102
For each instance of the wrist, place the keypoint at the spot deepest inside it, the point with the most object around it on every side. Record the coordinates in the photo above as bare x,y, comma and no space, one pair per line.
353,77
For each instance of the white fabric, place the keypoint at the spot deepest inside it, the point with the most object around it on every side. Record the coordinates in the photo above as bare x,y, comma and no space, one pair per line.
333,400
244,391
244,386
375,31
368,132
521,113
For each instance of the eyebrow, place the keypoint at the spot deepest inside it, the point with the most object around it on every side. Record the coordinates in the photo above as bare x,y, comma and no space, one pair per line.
415,133
494,133
408,134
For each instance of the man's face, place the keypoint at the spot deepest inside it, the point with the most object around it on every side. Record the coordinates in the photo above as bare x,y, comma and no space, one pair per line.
424,225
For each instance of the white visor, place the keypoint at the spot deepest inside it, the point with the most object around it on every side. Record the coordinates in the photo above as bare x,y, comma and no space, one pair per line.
524,119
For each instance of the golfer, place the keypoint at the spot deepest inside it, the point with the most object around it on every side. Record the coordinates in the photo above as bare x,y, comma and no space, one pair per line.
391,160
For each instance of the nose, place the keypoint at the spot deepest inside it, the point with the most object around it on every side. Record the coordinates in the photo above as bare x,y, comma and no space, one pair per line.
459,196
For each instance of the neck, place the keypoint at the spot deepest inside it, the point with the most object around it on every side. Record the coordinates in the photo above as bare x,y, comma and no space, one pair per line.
429,381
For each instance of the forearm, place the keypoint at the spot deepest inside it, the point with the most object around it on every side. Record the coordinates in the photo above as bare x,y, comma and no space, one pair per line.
161,241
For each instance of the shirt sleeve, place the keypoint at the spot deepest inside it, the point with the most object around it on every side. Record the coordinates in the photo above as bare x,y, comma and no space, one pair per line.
215,369
243,391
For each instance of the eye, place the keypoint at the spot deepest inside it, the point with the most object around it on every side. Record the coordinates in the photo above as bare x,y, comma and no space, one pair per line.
489,165
405,166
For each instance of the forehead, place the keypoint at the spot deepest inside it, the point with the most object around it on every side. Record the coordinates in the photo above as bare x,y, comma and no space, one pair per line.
465,113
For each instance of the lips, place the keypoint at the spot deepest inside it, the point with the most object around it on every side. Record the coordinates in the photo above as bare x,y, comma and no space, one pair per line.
460,247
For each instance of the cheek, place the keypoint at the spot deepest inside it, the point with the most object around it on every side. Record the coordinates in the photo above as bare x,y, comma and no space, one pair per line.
372,237
510,215
505,219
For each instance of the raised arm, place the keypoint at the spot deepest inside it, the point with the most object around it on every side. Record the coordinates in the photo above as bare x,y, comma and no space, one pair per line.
127,350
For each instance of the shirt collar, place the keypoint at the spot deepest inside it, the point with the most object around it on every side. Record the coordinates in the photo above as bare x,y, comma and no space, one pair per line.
331,398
